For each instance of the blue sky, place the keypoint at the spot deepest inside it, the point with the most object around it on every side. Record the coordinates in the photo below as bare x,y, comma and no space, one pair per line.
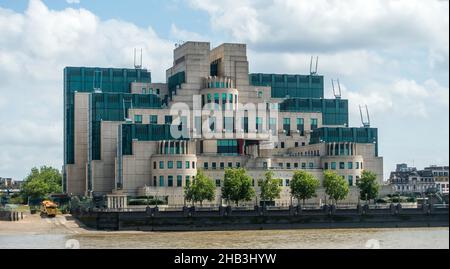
391,55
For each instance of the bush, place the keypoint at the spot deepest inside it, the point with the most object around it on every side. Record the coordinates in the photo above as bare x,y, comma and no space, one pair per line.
411,200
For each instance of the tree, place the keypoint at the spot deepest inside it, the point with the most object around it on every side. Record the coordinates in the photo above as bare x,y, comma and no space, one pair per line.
368,186
237,185
202,188
304,185
270,187
336,187
41,182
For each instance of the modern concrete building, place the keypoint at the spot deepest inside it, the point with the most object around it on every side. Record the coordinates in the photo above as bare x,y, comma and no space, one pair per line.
128,136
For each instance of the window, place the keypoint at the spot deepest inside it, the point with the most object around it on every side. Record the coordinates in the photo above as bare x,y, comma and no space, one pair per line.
311,165
273,125
260,94
144,90
216,98
341,165
228,147
168,119
357,165
187,164
170,181
179,164
170,164
287,182
179,181
230,165
287,125
208,98
280,182
161,181
295,165
313,123
333,165
188,180
154,181
214,165
217,182
296,144
326,166
161,164
288,165
303,165
259,124
361,165
157,91
282,145
224,100
264,164
301,125
350,165
238,164
153,119
350,180
193,165
222,165
137,118
280,165
154,165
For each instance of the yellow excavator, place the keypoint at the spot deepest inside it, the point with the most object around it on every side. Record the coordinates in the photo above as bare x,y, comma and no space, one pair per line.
48,208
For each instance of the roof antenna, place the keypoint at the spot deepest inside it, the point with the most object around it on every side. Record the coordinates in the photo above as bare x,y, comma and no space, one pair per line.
336,92
137,66
366,124
311,70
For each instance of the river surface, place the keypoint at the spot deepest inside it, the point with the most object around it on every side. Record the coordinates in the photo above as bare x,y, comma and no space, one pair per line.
297,239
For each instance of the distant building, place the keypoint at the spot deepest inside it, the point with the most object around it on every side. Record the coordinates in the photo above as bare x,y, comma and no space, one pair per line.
440,175
408,180
6,182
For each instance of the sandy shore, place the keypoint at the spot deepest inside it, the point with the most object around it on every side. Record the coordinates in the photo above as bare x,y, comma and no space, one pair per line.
35,224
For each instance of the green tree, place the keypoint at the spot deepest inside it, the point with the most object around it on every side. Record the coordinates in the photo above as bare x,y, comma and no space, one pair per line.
336,187
237,185
41,182
202,188
368,186
270,187
304,186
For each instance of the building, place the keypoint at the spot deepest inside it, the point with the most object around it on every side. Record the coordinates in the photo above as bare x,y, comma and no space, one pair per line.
6,182
409,180
440,176
126,135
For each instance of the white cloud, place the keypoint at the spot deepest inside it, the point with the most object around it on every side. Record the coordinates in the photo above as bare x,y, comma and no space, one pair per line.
184,35
73,1
35,47
323,25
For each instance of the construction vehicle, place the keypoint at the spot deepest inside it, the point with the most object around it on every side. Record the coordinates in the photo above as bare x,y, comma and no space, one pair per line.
48,208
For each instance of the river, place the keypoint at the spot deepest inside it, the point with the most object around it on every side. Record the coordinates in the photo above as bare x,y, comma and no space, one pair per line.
63,234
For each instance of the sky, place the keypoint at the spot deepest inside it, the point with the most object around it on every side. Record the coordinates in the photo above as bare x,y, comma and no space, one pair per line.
391,55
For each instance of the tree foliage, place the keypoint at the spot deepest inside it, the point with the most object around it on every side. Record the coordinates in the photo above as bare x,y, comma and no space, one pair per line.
270,187
201,188
237,185
41,182
336,187
368,186
304,185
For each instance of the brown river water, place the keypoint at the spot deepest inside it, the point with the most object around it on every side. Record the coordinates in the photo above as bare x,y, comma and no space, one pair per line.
60,233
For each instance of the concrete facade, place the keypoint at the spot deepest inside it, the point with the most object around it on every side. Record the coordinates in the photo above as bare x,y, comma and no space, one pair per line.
255,142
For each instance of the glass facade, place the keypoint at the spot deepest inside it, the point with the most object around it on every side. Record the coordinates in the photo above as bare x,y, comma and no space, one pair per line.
285,86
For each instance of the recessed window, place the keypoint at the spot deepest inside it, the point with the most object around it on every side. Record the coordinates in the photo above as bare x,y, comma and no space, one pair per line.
350,165
161,181
170,164
341,165
137,118
179,181
161,164
187,164
170,181
179,164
